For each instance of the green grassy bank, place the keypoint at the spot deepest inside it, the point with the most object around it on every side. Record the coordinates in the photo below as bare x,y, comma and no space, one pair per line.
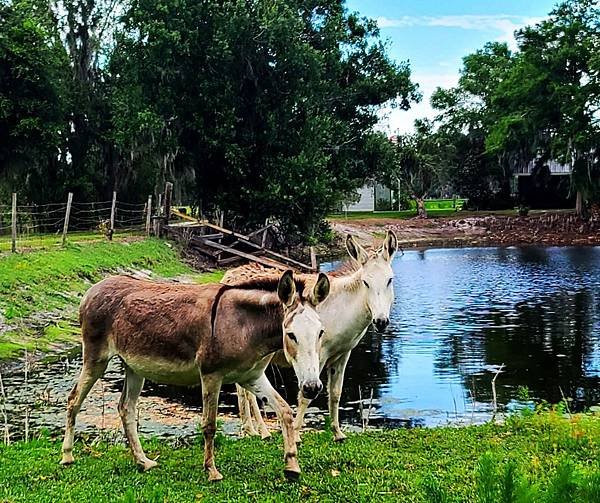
543,458
43,288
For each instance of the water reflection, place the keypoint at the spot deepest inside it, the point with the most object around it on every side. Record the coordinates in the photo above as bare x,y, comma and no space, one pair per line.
460,313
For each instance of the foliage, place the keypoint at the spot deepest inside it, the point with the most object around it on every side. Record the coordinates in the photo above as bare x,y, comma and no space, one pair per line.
536,459
261,108
420,164
534,105
33,98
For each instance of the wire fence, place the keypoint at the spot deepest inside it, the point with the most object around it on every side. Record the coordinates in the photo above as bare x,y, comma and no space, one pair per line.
43,225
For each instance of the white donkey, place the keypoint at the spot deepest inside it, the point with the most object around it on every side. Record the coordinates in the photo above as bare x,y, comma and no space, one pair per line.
359,295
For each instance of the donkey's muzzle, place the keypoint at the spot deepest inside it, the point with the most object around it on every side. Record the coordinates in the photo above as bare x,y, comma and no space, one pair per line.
311,389
381,324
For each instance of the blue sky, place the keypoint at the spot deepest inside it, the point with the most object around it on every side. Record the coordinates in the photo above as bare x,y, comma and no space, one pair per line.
434,36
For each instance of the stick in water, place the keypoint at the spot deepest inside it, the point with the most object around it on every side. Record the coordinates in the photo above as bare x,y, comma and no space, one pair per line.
494,400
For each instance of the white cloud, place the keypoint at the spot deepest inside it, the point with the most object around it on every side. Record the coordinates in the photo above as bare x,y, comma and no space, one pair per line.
503,24
399,121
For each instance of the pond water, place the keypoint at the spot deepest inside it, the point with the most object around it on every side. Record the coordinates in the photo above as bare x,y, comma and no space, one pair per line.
458,315
461,313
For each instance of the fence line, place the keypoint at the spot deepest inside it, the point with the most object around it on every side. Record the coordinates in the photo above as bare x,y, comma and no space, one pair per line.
29,225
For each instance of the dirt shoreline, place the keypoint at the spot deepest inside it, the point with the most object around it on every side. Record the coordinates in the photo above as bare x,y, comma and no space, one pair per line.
542,229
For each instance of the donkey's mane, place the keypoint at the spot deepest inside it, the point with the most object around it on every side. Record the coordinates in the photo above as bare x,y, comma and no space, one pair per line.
265,283
348,267
269,283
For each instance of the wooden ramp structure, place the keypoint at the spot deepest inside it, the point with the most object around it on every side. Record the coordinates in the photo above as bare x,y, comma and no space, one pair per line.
226,247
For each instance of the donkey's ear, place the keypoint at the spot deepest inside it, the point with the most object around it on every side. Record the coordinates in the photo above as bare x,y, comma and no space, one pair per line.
286,289
390,245
321,289
356,251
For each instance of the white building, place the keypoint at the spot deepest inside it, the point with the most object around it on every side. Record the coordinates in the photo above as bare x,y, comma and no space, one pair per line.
375,197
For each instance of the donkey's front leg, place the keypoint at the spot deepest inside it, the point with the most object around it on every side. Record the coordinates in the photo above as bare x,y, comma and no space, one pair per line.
262,389
211,387
303,404
335,381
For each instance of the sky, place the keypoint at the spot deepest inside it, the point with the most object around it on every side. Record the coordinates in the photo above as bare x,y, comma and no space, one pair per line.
433,36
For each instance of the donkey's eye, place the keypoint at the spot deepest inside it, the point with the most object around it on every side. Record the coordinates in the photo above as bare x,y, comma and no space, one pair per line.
321,333
366,284
292,336
389,281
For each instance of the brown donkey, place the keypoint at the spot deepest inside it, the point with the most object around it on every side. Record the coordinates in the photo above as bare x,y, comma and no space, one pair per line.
199,334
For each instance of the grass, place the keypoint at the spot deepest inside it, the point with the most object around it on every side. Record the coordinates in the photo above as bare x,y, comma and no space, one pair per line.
45,241
53,281
404,214
439,204
536,459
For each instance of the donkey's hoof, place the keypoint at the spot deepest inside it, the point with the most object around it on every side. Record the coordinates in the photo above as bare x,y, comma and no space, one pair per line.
249,432
147,464
339,437
297,437
265,435
67,459
292,475
214,475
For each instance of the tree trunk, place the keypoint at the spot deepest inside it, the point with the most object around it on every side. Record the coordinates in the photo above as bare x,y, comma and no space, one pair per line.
421,210
580,208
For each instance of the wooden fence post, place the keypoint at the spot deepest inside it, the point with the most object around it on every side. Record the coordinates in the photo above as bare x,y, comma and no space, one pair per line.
113,208
67,215
313,259
159,208
263,241
14,222
168,195
148,215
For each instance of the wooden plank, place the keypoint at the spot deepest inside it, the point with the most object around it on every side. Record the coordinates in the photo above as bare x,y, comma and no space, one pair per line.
228,261
261,260
231,260
183,216
194,225
218,235
247,241
200,238
259,231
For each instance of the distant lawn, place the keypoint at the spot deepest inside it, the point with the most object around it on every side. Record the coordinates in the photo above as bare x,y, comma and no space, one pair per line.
433,213
404,214
54,280
542,458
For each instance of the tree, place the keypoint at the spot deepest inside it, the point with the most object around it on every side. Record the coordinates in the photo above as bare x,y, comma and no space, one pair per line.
266,111
468,113
33,100
420,163
259,108
537,104
553,93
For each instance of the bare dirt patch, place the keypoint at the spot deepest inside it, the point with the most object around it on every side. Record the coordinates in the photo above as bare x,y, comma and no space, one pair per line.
546,228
